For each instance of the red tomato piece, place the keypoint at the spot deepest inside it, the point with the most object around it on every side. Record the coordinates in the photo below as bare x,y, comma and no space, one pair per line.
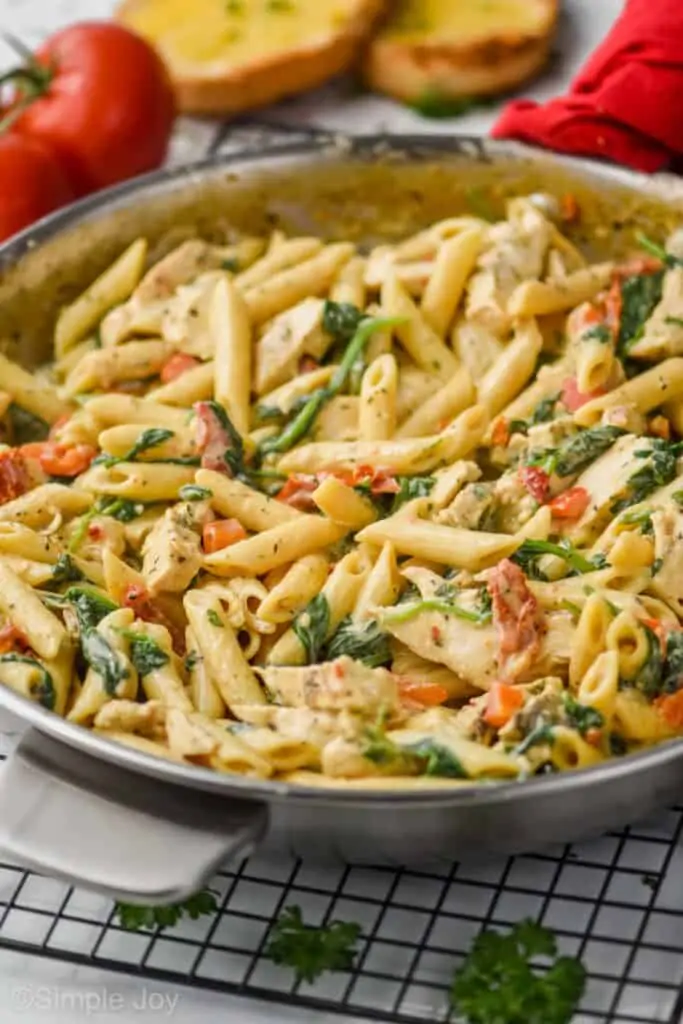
103,103
430,695
571,504
671,709
297,492
572,399
536,481
502,703
11,639
32,183
62,460
516,617
139,599
177,365
500,435
221,533
15,477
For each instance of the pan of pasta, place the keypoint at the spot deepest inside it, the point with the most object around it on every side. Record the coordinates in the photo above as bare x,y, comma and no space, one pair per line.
341,494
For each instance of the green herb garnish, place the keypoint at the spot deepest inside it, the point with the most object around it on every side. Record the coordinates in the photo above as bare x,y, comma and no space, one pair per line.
525,557
303,421
434,104
310,950
582,717
312,626
214,618
660,469
131,916
148,439
145,653
499,982
193,492
361,641
42,690
103,659
65,570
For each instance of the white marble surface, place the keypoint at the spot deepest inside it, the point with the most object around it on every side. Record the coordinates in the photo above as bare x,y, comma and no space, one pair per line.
34,990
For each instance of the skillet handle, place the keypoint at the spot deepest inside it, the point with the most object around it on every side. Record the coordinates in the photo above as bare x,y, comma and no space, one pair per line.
126,835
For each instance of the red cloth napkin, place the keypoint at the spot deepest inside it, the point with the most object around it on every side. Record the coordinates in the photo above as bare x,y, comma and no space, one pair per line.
626,104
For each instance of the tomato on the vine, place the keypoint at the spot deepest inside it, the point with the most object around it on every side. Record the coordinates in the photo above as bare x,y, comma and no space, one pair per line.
32,183
101,98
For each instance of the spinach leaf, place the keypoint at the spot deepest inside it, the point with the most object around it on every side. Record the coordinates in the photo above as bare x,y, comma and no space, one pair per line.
361,641
545,410
193,492
673,669
303,421
405,611
525,557
579,451
103,659
145,653
151,438
44,689
234,455
640,294
65,570
122,509
600,332
582,717
659,470
341,320
659,252
650,675
26,427
437,760
642,519
89,605
312,626
215,619
411,487
540,735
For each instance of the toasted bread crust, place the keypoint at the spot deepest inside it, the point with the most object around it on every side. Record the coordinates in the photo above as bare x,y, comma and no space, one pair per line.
410,68
274,77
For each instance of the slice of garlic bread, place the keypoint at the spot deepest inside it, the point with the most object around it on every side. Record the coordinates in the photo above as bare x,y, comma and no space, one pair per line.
228,56
430,52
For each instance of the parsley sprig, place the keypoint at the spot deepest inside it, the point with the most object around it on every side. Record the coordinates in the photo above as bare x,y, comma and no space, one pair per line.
133,916
499,982
311,950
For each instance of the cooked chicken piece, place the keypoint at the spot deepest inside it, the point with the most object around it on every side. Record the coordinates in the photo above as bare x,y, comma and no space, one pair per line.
148,719
516,253
667,581
341,685
295,333
172,551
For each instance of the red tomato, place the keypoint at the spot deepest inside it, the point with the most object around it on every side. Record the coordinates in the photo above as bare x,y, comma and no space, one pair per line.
516,616
221,534
12,640
297,492
32,183
572,399
104,104
500,435
60,459
145,608
671,709
15,477
536,481
570,504
502,703
176,366
430,695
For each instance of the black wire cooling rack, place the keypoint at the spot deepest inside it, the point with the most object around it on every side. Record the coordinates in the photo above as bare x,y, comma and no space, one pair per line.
614,902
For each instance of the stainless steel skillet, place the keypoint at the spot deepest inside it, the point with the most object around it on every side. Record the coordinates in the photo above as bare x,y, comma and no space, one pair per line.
77,806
